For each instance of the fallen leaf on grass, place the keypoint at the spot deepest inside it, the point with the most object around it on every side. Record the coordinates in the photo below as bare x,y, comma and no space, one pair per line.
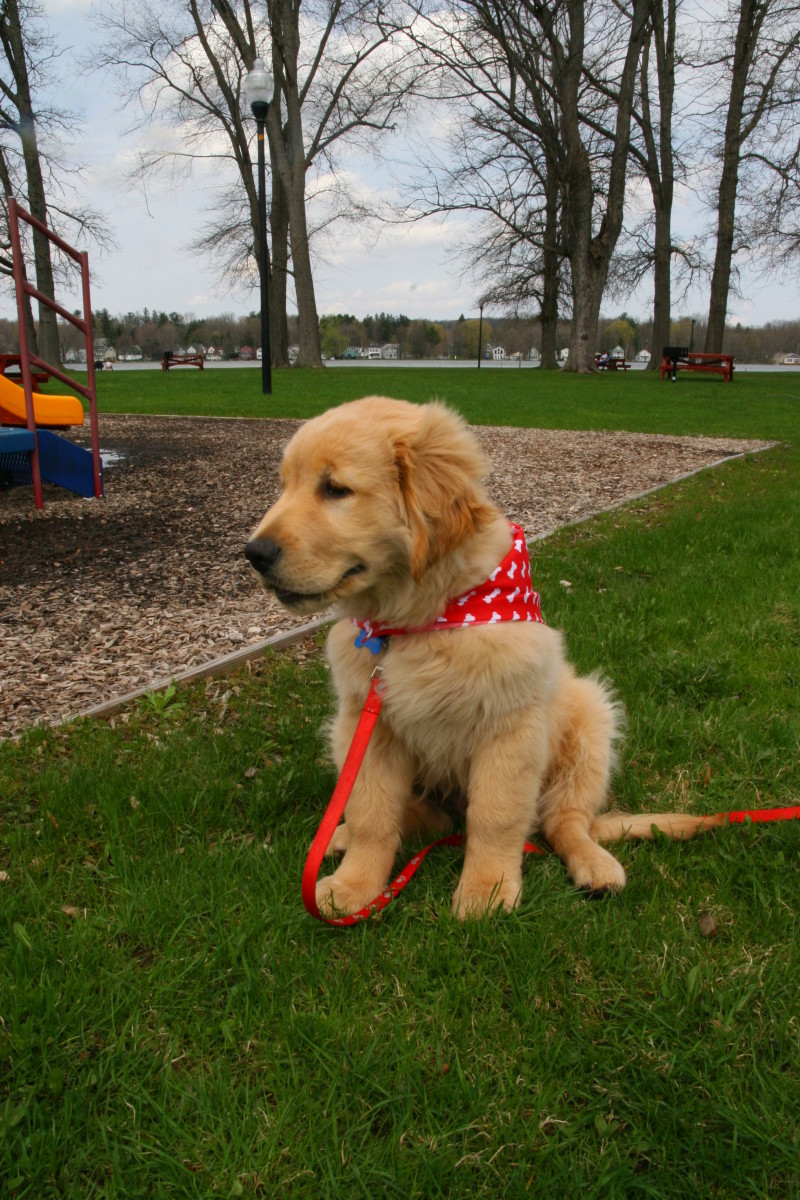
706,924
70,910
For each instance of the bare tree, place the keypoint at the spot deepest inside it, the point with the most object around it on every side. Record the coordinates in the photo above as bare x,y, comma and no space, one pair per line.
6,256
31,167
653,152
491,169
593,169
531,63
516,253
339,76
771,217
760,65
498,164
21,39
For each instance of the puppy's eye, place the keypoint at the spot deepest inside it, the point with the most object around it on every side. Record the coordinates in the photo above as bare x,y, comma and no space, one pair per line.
330,490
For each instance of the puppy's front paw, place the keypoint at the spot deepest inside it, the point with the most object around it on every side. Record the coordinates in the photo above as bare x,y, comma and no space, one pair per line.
338,896
476,899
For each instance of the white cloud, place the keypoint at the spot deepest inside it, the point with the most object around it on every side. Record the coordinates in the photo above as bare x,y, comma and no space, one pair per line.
359,270
62,8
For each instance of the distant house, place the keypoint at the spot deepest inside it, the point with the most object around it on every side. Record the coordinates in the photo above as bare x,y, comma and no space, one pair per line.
247,353
617,352
132,354
351,352
390,350
104,350
495,352
213,354
293,353
563,355
791,360
374,351
643,356
198,349
534,355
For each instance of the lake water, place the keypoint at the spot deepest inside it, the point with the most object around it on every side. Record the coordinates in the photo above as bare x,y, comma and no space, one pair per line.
364,364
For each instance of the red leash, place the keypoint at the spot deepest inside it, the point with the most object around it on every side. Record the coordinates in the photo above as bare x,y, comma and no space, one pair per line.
341,794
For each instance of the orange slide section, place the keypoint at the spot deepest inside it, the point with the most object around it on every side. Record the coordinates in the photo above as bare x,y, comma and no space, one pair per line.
53,412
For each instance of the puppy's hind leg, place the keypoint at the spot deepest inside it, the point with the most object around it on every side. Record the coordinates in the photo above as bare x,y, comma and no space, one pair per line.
420,817
424,816
586,727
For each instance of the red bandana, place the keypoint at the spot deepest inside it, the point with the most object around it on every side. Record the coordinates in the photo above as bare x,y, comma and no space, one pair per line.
506,595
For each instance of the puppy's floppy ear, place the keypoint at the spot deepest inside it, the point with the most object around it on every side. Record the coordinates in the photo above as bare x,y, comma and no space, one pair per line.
439,468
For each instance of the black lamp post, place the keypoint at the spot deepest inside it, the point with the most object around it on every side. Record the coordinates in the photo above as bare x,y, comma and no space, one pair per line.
258,90
480,335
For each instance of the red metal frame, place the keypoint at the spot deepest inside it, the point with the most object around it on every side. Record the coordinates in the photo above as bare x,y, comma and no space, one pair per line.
16,214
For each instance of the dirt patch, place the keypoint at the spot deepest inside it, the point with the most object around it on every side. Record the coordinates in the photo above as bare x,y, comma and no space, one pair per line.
98,598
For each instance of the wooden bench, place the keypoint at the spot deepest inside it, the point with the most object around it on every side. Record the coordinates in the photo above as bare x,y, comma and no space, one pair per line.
13,360
611,364
693,360
181,360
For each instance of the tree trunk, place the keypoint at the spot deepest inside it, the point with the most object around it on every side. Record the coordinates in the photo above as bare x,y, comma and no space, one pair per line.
751,15
589,274
5,182
549,321
279,230
588,263
660,168
49,348
590,254
289,158
243,36
551,270
48,325
662,289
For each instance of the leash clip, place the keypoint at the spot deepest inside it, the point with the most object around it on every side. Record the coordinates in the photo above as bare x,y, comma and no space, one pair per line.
377,686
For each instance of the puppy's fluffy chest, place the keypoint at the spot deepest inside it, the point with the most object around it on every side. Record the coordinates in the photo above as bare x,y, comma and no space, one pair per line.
446,692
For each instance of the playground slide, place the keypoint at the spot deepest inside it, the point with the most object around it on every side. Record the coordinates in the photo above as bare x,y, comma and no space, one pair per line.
54,412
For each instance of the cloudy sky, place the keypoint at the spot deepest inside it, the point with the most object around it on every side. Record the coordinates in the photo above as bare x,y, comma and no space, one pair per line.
395,271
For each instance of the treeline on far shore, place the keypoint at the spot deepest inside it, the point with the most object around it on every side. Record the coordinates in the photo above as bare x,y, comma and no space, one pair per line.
150,333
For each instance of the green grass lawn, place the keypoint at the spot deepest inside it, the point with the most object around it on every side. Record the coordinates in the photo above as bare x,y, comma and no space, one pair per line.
755,405
172,1023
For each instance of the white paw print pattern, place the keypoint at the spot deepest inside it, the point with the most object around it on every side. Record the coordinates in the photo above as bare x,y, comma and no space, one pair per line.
505,596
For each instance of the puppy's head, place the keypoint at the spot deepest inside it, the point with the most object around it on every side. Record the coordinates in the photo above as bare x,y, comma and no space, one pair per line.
374,494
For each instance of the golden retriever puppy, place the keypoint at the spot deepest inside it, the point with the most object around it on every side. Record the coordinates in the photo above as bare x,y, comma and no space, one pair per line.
383,515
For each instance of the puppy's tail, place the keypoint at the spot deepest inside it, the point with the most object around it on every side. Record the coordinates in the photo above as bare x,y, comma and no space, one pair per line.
626,827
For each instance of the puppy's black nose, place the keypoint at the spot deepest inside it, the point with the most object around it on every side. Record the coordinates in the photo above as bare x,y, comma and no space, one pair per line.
262,554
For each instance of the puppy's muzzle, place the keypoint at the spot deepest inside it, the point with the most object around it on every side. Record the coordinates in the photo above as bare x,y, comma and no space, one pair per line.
263,555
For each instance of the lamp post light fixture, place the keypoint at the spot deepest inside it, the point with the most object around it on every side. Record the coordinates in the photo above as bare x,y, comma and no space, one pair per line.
480,334
258,92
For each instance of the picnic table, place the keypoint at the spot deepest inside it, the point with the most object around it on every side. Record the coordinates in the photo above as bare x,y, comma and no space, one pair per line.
610,363
680,358
181,360
13,360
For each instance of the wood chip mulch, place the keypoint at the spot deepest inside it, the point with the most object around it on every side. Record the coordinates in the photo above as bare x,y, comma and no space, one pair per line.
98,598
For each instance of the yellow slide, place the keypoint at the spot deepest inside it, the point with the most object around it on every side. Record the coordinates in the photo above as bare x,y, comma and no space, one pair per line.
53,412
